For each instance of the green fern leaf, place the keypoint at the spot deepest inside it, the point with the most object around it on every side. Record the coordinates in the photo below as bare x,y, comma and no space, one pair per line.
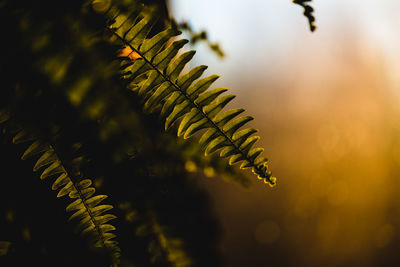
162,59
186,80
47,158
156,76
34,149
150,47
86,207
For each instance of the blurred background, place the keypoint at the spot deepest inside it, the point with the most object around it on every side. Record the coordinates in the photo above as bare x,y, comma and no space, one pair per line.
327,108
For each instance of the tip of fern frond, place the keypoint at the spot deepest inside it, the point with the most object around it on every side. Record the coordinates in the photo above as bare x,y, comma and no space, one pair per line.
271,181
313,28
265,175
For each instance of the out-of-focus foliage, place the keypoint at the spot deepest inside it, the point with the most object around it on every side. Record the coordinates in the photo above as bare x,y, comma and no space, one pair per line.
61,84
196,37
4,247
308,12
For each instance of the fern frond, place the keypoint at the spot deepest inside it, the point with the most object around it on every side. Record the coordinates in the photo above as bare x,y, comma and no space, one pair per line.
308,12
158,79
87,210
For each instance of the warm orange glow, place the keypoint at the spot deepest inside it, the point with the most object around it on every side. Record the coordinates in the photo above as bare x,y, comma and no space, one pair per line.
128,52
327,107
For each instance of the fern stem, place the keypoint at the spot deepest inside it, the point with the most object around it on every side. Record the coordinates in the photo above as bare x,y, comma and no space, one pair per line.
194,104
75,182
96,225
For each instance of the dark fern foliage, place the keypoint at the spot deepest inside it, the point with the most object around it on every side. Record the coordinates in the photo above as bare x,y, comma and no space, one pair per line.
86,209
308,12
84,84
